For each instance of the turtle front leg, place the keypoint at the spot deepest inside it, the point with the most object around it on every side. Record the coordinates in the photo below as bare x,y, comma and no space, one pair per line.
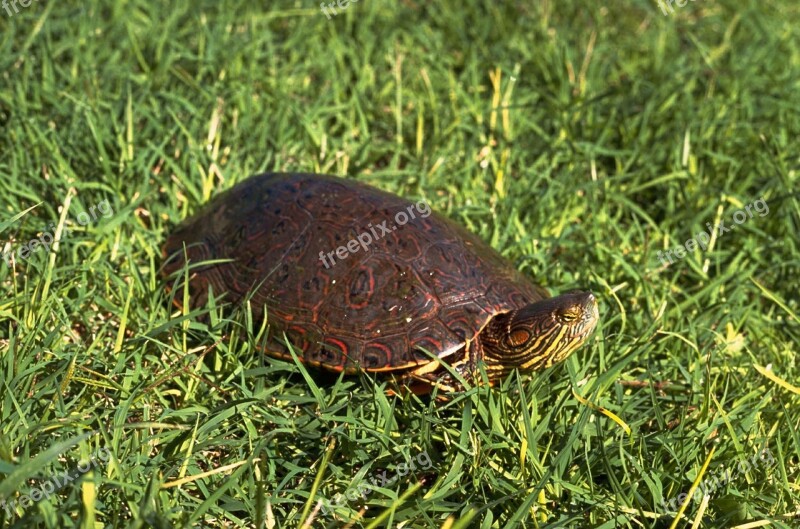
423,385
422,380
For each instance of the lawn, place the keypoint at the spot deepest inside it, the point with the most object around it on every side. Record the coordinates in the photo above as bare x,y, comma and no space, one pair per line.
590,143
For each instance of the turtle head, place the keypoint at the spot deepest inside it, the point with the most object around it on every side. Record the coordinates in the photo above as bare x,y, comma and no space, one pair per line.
538,335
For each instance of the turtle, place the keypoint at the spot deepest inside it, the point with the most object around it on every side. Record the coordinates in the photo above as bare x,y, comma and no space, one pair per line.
362,280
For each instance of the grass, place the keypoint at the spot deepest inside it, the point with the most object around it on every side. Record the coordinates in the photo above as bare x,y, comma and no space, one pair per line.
580,139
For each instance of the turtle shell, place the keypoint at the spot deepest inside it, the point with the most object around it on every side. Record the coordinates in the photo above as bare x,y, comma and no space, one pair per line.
293,242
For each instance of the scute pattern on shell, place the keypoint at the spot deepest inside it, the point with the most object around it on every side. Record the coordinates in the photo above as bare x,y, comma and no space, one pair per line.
428,284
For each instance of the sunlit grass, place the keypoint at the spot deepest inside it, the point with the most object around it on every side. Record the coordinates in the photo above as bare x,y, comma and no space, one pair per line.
579,139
